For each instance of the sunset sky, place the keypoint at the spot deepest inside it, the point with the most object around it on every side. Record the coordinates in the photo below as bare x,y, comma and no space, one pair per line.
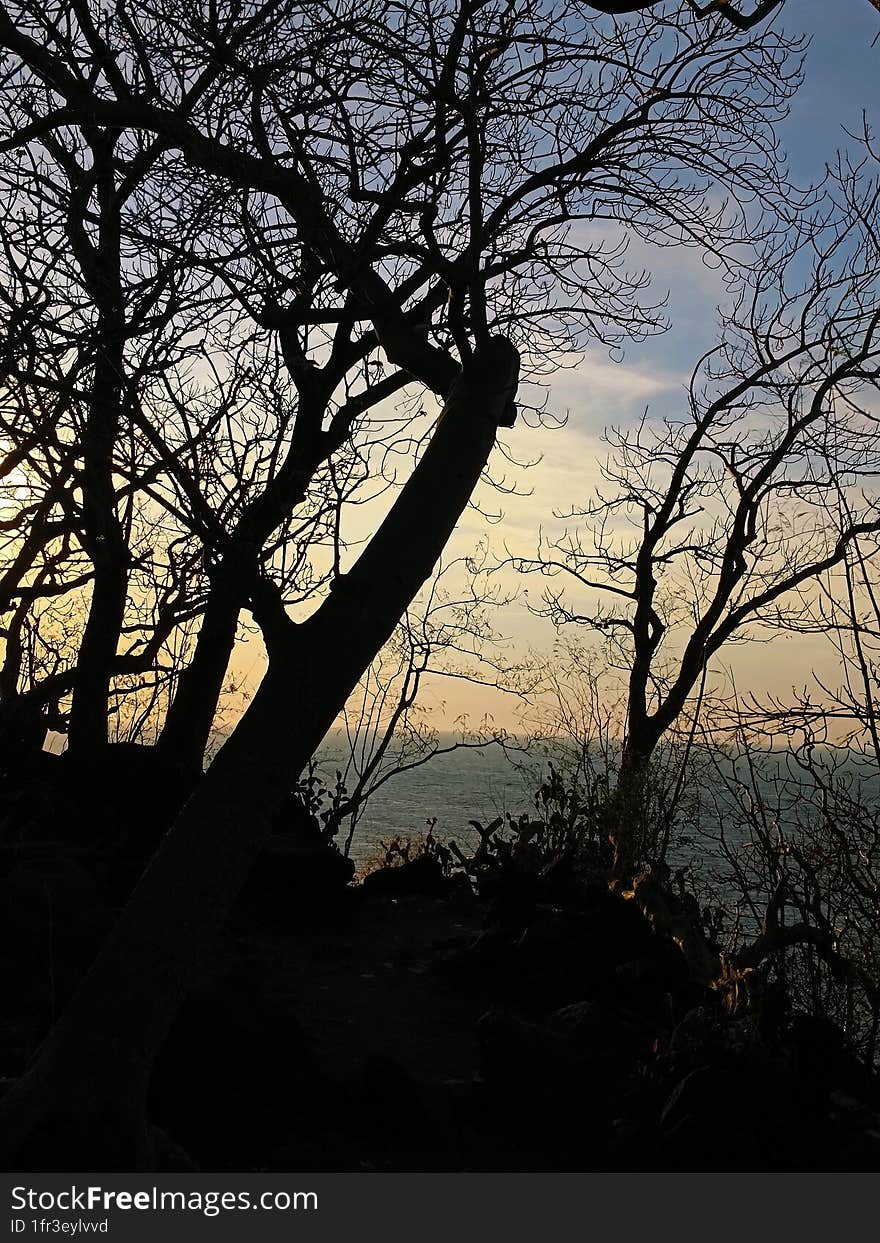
841,76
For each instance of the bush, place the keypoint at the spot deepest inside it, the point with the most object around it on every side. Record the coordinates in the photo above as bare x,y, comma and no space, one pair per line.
542,854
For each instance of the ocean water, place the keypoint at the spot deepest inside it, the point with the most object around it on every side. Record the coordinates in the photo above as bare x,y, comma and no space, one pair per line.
480,784
462,785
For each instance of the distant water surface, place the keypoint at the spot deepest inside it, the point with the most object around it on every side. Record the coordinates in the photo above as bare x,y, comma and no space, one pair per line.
456,787
480,784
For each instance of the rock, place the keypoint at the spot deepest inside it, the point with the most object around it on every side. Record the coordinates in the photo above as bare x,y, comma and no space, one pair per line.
563,955
419,877
296,870
509,1045
737,1115
391,1095
287,868
650,984
559,955
594,1033
560,1084
575,1050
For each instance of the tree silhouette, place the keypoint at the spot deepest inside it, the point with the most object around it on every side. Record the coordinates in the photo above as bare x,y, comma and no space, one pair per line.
442,188
724,521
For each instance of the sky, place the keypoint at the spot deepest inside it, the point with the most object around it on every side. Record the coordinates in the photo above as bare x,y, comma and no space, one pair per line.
842,80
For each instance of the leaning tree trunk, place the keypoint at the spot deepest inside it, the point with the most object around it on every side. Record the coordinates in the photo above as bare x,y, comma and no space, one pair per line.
88,1084
187,728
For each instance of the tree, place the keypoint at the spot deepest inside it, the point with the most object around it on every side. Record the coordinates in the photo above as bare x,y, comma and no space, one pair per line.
798,829
393,180
159,446
718,523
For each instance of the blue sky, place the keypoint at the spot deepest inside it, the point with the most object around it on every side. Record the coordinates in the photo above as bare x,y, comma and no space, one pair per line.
842,78
841,82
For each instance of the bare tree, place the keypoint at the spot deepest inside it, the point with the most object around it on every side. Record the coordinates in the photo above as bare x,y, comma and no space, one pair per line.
718,524
94,335
795,825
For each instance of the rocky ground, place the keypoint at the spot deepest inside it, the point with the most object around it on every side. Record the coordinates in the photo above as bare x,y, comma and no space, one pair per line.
404,1024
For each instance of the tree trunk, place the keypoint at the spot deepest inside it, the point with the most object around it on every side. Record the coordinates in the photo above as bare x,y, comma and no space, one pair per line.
87,732
187,727
102,534
22,723
116,1023
627,806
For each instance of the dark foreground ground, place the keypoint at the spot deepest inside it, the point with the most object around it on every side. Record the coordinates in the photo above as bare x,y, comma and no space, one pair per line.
406,1025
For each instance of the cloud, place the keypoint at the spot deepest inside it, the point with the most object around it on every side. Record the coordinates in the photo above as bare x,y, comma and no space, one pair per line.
599,392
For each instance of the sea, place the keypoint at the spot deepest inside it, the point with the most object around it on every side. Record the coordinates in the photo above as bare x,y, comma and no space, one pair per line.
451,789
458,786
